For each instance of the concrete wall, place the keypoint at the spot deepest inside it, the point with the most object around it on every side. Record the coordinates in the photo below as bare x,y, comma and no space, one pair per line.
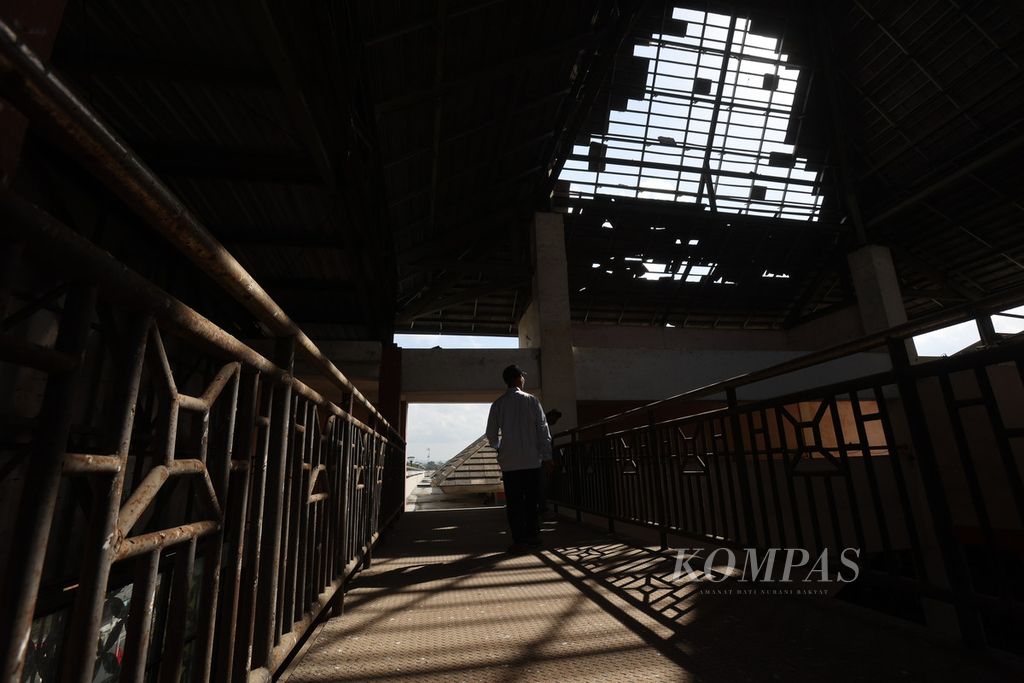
611,363
359,361
607,374
629,364
820,333
463,375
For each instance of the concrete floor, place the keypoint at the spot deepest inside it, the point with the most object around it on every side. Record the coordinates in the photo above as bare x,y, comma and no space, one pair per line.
442,602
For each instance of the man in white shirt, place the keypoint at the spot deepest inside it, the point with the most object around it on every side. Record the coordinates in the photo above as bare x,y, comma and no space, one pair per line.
518,430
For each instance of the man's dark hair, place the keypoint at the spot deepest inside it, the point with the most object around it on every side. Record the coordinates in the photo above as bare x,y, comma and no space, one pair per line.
511,374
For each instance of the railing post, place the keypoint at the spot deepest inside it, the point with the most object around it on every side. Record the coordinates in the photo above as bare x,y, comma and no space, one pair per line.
347,486
140,617
576,476
20,587
654,447
971,629
80,651
739,458
269,569
171,663
235,508
372,492
10,256
610,506
344,435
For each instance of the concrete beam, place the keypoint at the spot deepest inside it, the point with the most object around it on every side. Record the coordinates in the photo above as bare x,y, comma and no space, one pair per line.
828,330
463,375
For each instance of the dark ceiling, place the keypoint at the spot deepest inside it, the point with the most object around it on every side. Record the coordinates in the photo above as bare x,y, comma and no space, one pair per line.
376,165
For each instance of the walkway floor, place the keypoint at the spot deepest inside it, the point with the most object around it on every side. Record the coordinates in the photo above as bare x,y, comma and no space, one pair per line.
443,603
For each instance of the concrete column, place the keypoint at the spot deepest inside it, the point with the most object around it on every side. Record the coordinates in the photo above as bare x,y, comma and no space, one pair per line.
548,318
877,288
529,325
389,387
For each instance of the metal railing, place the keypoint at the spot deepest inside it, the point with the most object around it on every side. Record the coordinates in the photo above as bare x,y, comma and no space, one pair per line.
177,506
918,466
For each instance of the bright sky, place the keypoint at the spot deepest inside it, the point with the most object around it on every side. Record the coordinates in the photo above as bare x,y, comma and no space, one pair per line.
949,340
656,147
454,341
438,431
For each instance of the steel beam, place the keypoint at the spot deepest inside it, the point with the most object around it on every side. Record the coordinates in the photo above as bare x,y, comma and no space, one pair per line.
962,171
591,79
430,305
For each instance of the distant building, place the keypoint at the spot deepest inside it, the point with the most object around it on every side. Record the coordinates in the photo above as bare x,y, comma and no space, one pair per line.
474,470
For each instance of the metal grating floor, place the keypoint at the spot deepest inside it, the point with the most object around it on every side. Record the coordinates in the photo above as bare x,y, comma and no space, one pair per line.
443,603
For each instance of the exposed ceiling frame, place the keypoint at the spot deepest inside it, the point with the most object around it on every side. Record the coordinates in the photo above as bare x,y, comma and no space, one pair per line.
273,44
590,83
229,164
485,71
428,23
82,65
430,305
962,171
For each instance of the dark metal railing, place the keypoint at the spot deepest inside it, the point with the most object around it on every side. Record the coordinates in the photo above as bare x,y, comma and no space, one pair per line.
918,466
237,467
176,505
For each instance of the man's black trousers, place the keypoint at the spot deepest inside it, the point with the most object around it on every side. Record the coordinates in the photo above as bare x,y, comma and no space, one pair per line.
522,493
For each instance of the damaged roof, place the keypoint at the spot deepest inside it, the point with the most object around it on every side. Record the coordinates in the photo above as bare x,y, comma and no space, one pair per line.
376,165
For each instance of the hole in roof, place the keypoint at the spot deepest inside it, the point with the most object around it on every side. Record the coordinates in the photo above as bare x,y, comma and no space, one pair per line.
947,340
1010,321
711,128
675,270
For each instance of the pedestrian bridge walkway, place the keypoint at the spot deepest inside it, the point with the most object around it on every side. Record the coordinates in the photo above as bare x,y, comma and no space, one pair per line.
443,602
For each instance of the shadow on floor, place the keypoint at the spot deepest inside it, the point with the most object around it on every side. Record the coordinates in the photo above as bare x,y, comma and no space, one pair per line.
443,602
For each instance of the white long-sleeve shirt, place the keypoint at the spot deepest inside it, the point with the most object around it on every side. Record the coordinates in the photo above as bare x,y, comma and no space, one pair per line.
518,429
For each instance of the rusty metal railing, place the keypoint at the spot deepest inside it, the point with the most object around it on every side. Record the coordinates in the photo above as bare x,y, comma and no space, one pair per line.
176,505
918,467
232,513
